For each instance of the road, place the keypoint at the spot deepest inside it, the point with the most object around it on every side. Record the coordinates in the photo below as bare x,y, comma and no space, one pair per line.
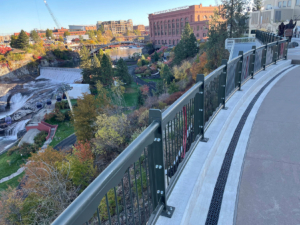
136,79
69,141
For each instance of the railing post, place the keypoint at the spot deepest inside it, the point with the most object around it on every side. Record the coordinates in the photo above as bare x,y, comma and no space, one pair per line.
275,53
222,84
200,78
265,56
240,70
286,49
157,166
252,62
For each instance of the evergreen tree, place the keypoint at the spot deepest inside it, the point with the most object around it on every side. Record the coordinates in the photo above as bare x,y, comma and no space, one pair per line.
106,70
173,87
155,57
159,88
233,11
49,33
122,71
215,46
100,54
22,40
34,35
187,47
96,62
140,99
167,75
84,58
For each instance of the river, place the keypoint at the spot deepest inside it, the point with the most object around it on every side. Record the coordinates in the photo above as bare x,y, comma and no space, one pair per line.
123,52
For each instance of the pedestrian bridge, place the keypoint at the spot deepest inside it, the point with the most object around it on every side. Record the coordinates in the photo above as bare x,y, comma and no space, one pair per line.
226,152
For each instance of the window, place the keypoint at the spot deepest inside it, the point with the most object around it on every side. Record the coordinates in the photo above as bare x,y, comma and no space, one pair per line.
155,41
210,16
279,4
177,23
173,42
197,28
277,16
198,17
177,41
158,33
177,31
297,2
204,17
169,42
284,4
166,42
289,4
204,34
181,22
269,7
197,34
169,31
158,41
173,31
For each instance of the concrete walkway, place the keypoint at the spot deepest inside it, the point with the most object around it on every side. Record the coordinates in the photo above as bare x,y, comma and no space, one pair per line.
270,182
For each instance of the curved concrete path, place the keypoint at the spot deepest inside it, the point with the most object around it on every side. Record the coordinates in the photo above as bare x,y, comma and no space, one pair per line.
270,182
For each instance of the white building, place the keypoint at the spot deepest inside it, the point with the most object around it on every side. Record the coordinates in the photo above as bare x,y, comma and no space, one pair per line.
273,13
69,39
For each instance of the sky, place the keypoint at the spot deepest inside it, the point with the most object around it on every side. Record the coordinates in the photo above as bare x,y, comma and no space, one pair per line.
33,14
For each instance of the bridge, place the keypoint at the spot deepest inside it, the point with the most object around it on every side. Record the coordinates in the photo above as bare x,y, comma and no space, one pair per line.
226,152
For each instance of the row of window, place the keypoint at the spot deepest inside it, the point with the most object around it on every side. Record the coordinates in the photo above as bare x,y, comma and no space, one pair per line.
177,20
284,3
170,42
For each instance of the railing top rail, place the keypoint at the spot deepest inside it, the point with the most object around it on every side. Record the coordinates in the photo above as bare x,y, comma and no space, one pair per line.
272,43
83,207
248,52
263,46
212,75
234,59
176,107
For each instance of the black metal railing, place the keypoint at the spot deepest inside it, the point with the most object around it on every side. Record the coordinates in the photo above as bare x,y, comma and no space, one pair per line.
135,187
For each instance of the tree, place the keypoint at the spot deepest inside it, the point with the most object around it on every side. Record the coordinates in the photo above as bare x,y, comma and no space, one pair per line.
91,34
200,66
106,70
101,28
160,89
22,40
187,47
35,36
111,134
14,41
173,87
155,57
180,72
257,5
109,34
80,38
102,96
166,74
67,33
84,58
61,39
122,72
84,117
233,11
49,33
137,32
140,100
96,63
127,33
215,46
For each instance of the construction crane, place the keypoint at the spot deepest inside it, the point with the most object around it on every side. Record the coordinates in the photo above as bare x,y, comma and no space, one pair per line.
53,17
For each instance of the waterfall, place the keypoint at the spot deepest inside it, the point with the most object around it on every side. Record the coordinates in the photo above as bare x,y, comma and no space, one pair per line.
17,101
15,128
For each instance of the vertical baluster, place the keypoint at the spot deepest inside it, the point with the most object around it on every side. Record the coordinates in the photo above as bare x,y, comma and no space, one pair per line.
132,208
117,205
148,186
124,202
142,187
108,211
137,194
98,215
166,150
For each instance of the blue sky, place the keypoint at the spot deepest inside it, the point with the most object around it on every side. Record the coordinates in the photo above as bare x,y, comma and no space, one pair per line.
29,14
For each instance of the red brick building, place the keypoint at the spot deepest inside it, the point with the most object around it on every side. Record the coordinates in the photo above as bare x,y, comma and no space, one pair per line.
166,26
139,27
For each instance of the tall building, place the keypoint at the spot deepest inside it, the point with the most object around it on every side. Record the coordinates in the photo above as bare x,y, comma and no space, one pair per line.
117,27
273,13
166,26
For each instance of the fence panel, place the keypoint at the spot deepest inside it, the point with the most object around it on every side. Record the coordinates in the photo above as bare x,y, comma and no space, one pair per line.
281,50
232,70
258,64
212,95
270,53
246,65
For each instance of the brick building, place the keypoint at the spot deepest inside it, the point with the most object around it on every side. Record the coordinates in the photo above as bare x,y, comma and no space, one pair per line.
116,27
139,27
166,26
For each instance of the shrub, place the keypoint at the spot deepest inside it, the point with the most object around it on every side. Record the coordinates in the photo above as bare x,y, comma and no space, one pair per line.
12,150
40,138
59,116
49,116
112,205
161,105
173,97
62,105
144,118
25,149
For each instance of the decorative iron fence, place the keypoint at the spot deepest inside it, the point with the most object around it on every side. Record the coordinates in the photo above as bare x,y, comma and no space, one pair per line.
135,187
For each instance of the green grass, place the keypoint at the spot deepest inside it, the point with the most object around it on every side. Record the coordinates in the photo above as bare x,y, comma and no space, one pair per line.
14,182
64,130
152,80
10,164
131,94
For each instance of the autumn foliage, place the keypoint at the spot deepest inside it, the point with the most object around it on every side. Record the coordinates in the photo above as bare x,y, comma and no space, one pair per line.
83,151
4,50
200,66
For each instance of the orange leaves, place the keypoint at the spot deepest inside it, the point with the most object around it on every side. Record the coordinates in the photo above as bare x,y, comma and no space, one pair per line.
83,151
200,67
